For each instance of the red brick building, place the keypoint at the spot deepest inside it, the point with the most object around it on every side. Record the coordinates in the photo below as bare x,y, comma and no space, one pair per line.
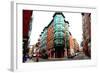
76,46
71,44
86,21
50,40
27,19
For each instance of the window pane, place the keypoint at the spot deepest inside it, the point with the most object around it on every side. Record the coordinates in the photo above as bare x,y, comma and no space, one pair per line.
59,35
58,19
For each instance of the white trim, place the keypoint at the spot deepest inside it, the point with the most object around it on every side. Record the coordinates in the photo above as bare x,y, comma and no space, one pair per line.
17,38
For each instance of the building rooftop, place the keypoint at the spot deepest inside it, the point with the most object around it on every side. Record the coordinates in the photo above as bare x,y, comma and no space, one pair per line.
50,23
44,28
66,21
58,13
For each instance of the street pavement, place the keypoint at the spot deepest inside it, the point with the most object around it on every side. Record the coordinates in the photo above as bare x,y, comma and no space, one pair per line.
78,56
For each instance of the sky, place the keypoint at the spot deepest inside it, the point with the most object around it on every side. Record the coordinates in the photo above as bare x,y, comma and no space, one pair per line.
41,19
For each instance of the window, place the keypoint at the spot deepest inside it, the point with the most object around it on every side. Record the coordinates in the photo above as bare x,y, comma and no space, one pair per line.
59,35
59,41
59,28
58,19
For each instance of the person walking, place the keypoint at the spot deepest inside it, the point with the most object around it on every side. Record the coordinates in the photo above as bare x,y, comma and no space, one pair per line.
37,55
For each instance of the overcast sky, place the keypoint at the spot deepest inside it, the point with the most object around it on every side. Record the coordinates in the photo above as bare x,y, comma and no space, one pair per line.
42,19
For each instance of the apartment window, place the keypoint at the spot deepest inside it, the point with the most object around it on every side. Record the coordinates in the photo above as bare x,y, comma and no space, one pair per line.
59,35
59,19
59,28
59,41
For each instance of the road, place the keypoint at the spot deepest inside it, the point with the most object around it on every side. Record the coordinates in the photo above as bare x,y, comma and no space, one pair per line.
78,56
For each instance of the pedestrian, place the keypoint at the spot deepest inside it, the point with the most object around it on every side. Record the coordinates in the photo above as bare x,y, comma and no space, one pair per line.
37,55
